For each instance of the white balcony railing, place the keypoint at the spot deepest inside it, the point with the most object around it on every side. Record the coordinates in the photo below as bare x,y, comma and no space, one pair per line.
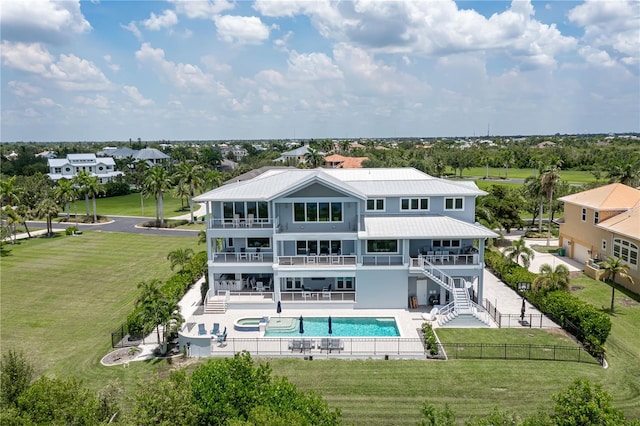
447,259
240,223
321,260
317,296
382,259
243,257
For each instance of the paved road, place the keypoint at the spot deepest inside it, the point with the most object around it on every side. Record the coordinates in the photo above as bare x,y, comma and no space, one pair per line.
121,224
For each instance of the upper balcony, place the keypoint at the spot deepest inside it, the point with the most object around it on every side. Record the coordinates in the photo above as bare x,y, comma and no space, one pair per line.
239,223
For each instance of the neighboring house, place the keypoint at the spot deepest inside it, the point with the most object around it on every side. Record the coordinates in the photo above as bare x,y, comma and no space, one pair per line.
151,155
122,153
603,222
237,151
68,168
353,238
296,156
336,161
47,154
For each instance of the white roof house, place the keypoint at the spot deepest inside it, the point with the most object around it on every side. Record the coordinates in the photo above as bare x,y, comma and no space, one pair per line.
67,168
342,239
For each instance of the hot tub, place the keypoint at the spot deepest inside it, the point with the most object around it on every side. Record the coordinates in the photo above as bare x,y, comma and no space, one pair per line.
249,323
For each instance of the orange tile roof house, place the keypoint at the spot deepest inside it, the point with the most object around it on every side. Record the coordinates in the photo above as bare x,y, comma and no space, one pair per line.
336,161
604,222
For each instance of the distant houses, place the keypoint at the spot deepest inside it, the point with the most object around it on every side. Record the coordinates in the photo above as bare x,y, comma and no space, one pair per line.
67,168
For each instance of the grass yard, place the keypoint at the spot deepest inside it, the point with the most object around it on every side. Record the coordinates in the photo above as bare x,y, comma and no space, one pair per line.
516,336
61,297
129,205
571,176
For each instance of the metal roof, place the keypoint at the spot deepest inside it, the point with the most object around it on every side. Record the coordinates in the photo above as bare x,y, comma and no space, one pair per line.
433,226
361,183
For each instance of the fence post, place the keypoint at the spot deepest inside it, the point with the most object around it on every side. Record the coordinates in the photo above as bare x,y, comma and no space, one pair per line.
505,351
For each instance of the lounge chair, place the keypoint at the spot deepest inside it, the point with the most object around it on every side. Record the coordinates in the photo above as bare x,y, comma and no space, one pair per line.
324,345
201,330
335,345
216,328
295,345
222,337
307,345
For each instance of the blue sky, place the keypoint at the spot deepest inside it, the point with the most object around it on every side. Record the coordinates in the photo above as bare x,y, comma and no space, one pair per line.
184,70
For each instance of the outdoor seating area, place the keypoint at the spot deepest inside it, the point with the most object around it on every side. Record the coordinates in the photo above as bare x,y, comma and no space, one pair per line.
325,344
301,345
331,345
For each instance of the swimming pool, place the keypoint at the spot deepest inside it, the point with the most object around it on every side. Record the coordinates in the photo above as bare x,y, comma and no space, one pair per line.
341,327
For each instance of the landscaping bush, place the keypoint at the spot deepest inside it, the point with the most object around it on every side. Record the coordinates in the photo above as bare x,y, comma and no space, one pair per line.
71,230
113,189
168,223
430,340
135,324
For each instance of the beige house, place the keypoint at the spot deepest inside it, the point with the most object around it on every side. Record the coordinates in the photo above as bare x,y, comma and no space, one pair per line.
603,222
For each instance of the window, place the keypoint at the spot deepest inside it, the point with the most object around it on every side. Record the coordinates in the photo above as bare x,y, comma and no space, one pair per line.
584,215
626,251
57,170
315,247
604,246
292,283
414,204
596,217
317,212
454,203
382,246
258,242
446,243
375,205
67,169
259,210
344,283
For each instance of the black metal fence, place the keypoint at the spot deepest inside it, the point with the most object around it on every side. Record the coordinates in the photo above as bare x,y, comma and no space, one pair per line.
120,338
514,320
515,351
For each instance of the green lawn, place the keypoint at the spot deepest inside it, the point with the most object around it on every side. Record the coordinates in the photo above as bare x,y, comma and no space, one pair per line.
61,297
571,176
130,205
534,336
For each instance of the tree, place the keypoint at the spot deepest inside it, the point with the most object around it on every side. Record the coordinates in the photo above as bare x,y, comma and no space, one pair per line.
16,374
615,267
626,172
180,257
81,180
519,251
434,417
157,182
192,177
9,192
551,279
548,181
65,193
584,405
157,310
93,188
533,189
47,209
313,158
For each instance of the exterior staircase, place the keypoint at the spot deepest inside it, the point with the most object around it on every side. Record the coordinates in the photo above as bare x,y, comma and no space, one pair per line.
462,312
216,304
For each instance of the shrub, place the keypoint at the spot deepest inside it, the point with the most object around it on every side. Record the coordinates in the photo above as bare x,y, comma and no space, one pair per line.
71,230
430,340
113,189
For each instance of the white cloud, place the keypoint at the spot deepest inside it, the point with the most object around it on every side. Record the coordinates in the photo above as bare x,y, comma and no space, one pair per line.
183,76
45,102
99,101
158,22
241,29
612,27
136,96
48,21
69,72
133,29
22,89
203,9
312,66
110,64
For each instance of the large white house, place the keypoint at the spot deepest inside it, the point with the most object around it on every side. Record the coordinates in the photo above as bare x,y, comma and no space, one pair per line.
353,238
67,168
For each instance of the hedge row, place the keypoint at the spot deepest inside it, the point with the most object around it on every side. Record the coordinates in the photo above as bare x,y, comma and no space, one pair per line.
592,325
174,288
430,340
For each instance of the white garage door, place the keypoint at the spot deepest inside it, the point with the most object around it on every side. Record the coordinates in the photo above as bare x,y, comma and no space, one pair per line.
580,253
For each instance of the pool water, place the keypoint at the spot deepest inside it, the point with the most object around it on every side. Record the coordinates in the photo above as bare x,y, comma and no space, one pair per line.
341,327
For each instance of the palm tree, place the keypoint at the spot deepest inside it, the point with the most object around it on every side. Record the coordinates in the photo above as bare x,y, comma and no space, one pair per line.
48,209
12,218
507,160
202,237
64,193
93,188
180,257
157,182
313,158
81,180
212,179
149,302
627,172
191,176
533,188
9,192
519,250
551,279
548,181
615,267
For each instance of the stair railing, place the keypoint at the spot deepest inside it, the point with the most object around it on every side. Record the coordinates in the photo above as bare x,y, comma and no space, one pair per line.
437,274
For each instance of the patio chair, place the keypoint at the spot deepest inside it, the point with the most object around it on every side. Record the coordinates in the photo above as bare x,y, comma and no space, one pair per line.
324,345
201,330
336,345
250,219
295,345
222,337
216,328
326,294
307,345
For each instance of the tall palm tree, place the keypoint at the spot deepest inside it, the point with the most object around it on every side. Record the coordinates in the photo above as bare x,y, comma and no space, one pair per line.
519,251
48,209
551,279
11,218
93,188
212,179
9,192
180,257
81,181
157,181
533,188
192,176
615,267
149,302
627,172
549,180
313,158
65,192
